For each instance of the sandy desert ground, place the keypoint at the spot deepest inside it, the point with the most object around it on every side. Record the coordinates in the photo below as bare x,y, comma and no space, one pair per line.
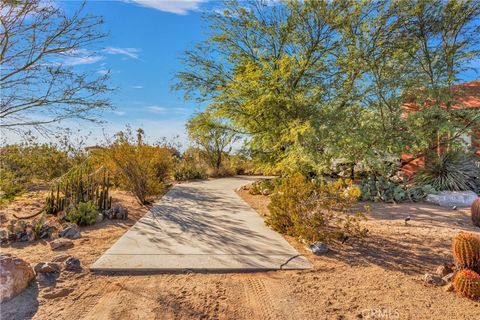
379,279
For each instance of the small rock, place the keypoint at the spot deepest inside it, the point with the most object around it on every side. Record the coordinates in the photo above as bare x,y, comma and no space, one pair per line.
61,244
70,232
47,267
4,236
433,279
448,277
61,258
99,218
266,192
448,287
443,270
52,293
15,276
72,264
318,248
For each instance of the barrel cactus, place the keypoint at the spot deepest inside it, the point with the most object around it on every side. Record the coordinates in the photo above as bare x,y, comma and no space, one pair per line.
466,250
476,212
467,283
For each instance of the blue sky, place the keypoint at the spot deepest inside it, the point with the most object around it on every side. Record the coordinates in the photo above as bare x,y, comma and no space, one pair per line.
142,50
141,53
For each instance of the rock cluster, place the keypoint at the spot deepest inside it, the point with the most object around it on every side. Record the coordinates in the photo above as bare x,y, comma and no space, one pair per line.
117,211
442,277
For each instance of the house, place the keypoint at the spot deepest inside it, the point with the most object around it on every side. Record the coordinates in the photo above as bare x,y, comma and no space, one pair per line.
468,97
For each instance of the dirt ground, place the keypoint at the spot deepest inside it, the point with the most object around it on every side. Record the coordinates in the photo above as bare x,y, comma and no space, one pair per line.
380,279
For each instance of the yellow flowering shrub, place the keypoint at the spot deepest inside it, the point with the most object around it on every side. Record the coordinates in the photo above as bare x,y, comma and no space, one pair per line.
316,210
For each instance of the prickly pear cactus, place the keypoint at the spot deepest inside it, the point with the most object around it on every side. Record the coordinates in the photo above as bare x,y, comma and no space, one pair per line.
476,212
467,284
466,250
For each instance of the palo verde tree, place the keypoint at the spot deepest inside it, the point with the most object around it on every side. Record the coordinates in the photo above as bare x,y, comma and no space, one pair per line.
311,81
212,135
39,46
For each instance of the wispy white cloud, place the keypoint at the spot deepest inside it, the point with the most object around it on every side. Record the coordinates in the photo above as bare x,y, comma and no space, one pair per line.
129,52
157,109
119,112
173,6
103,72
171,111
81,56
74,61
137,87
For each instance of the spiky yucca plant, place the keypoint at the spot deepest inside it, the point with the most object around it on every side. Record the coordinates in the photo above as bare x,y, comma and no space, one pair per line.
466,250
467,284
453,171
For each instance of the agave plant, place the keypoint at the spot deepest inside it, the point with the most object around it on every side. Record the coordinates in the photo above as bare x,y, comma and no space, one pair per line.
452,171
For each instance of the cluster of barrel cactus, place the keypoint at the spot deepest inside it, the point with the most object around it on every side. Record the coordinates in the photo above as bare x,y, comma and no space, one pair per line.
380,189
466,253
80,186
467,283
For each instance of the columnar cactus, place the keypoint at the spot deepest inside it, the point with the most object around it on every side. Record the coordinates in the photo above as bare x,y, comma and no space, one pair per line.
466,250
476,212
467,284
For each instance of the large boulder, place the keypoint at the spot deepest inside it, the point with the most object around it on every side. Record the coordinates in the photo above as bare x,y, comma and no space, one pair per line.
15,276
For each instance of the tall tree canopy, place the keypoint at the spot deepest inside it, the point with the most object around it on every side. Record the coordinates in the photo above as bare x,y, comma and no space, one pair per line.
310,81
39,46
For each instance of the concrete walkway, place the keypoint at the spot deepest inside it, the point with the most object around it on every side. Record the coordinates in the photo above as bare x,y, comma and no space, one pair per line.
202,226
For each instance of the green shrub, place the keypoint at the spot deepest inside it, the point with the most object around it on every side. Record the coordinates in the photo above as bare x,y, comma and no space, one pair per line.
315,210
83,214
453,171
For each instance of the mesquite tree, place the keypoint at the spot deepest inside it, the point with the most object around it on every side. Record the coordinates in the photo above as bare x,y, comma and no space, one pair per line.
40,45
314,81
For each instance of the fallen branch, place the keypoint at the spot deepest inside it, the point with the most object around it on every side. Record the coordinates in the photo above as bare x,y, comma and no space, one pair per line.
30,216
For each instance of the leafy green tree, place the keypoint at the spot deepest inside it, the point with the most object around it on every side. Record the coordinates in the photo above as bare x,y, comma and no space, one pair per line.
314,81
213,136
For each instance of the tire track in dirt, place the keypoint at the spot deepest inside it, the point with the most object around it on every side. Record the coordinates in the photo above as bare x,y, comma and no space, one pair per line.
260,300
88,298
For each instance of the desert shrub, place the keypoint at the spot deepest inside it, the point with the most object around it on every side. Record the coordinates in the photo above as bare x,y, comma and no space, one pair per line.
454,171
141,168
186,172
190,166
26,164
315,210
11,184
380,189
263,186
83,214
